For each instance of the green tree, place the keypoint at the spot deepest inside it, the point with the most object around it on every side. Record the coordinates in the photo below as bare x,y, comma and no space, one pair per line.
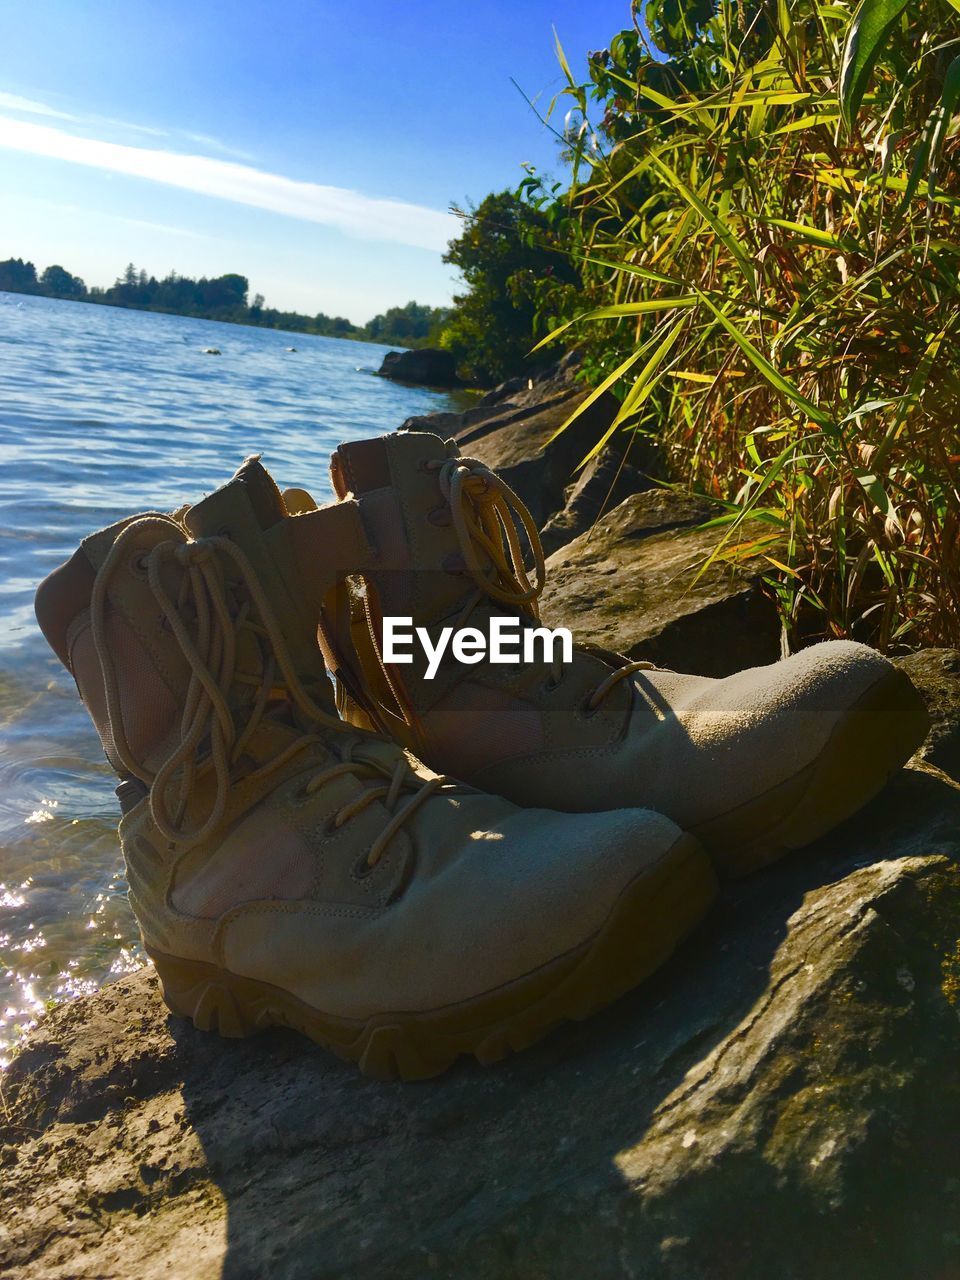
513,263
17,276
220,298
59,283
334,326
224,293
413,325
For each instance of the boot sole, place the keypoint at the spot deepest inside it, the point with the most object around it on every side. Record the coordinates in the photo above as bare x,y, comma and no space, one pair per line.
651,916
874,740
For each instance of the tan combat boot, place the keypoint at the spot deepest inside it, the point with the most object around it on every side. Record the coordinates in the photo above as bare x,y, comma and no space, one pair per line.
287,869
755,764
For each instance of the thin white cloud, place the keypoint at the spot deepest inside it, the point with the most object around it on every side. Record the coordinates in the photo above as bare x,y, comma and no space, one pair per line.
13,102
31,107
214,144
349,211
124,124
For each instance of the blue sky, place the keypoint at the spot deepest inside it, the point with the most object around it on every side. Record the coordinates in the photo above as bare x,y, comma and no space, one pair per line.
314,146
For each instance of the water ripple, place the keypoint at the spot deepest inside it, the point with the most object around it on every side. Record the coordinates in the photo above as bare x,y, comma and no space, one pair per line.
103,413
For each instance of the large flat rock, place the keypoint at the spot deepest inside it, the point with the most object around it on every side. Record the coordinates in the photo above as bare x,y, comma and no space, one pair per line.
632,583
780,1102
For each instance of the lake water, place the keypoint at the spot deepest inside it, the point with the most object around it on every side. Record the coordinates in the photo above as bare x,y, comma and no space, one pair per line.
104,413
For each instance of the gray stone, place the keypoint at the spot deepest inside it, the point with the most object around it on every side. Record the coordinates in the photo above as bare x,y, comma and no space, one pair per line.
630,583
512,430
539,384
936,673
428,366
601,485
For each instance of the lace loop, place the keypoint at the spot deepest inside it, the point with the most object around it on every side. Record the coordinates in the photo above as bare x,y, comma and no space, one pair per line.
592,703
400,777
486,516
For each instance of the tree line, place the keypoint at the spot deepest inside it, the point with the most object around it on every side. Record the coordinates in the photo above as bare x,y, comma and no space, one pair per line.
220,298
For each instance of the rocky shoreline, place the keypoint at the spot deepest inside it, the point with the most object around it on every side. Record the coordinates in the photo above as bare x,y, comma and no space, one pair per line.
781,1101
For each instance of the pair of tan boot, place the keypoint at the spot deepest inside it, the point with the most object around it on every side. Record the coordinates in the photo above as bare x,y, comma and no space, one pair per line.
290,865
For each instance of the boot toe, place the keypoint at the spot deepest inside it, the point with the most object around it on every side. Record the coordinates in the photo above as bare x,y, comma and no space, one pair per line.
821,732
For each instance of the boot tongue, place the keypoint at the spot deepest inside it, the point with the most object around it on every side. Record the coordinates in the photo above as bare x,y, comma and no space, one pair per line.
266,501
250,510
242,509
251,495
362,466
358,467
407,520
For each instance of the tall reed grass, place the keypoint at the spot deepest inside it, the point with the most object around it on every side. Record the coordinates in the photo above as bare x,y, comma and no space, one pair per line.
768,220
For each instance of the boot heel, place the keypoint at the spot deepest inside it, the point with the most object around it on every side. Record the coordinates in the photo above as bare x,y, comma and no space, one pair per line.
202,993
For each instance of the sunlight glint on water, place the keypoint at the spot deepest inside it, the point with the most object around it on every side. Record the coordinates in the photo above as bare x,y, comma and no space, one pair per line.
104,413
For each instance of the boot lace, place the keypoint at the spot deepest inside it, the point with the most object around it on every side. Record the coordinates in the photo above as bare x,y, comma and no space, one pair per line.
487,517
210,738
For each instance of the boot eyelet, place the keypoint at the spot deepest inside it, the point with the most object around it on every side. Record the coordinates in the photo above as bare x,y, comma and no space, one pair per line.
362,868
330,828
138,565
440,516
550,685
585,711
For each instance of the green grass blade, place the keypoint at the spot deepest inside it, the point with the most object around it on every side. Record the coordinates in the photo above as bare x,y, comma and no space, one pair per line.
619,312
609,381
562,58
810,235
868,30
720,229
788,389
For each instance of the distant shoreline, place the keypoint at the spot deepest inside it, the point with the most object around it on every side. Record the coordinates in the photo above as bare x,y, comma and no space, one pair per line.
244,324
221,298
184,315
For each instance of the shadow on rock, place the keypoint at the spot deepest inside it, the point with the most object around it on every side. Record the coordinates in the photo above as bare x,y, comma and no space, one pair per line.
780,1101
776,1102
